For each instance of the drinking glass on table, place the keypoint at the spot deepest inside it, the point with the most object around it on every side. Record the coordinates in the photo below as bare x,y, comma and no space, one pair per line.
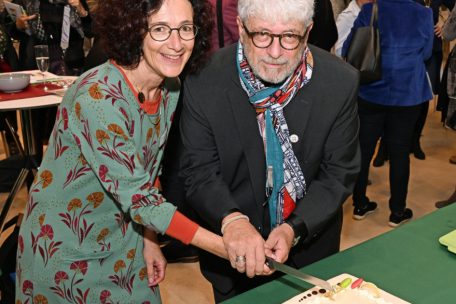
42,61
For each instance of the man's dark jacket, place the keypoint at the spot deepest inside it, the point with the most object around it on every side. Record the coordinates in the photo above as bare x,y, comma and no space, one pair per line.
224,161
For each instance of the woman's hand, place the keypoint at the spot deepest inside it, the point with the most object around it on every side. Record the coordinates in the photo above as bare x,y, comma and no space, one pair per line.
79,8
438,30
22,22
153,257
74,3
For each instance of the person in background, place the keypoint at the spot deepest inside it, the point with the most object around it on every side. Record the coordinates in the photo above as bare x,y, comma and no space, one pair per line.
270,136
324,30
52,17
345,21
390,107
433,67
227,10
8,55
448,33
27,29
42,24
96,54
89,233
8,63
339,6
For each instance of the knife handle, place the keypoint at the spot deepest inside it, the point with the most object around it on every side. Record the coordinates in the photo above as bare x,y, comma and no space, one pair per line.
269,262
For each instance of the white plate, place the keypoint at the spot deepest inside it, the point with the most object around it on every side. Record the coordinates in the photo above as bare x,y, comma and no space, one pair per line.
389,298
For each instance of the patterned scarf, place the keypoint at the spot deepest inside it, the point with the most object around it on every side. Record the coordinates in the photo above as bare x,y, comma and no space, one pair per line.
75,20
285,183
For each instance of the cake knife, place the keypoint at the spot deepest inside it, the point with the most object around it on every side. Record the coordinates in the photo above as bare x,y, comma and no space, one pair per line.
298,274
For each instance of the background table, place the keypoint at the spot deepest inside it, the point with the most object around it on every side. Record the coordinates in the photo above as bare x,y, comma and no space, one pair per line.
407,262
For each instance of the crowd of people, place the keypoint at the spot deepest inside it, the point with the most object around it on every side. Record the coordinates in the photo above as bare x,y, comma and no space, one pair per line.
226,125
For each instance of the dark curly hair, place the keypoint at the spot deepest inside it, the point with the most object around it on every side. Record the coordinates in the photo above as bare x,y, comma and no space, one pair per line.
121,26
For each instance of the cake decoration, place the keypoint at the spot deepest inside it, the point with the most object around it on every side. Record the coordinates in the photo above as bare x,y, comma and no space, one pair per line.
347,290
357,283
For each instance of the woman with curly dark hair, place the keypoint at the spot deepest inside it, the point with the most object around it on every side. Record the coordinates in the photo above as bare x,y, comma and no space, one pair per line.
89,234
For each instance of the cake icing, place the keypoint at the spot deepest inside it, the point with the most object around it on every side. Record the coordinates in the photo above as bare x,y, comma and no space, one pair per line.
348,290
346,296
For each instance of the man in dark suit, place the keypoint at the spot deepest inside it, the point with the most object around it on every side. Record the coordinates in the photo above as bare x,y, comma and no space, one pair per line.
271,92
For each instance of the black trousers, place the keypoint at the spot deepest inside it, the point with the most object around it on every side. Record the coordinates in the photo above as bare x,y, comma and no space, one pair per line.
397,123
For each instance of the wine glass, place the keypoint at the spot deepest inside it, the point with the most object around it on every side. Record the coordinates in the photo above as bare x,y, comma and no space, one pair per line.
42,61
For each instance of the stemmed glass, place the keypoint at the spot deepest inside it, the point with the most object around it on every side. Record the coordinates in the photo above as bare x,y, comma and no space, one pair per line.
42,61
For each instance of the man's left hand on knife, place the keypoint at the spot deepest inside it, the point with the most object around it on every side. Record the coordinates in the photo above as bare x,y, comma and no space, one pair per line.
279,243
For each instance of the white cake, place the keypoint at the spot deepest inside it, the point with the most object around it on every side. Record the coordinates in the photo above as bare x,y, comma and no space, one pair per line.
349,290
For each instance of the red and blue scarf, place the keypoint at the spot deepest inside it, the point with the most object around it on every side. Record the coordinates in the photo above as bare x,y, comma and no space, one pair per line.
285,182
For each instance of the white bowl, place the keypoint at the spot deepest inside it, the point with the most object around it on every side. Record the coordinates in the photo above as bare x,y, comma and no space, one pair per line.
14,82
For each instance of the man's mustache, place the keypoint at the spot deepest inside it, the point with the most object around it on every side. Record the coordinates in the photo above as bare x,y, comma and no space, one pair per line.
274,61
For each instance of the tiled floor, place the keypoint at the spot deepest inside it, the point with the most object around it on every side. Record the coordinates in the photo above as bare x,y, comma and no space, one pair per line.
431,180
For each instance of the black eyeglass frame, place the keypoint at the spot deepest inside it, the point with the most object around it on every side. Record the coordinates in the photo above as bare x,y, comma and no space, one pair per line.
171,29
273,36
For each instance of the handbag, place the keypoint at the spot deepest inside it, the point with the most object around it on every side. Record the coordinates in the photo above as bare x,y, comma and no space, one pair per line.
364,51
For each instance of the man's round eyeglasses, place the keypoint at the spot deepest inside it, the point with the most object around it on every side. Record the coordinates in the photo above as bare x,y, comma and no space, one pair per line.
262,40
161,32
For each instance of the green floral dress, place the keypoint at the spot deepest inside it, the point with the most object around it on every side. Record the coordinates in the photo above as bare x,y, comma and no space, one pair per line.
81,237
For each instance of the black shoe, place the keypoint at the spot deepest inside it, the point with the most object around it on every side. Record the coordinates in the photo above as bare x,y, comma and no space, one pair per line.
418,152
453,160
361,213
397,219
449,201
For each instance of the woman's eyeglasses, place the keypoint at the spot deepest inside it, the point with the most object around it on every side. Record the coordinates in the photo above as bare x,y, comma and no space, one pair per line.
161,32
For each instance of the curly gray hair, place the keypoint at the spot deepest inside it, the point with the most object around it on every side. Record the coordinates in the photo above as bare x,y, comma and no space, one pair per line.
277,10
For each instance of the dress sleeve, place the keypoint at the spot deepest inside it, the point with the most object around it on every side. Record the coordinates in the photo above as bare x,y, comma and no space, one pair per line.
107,131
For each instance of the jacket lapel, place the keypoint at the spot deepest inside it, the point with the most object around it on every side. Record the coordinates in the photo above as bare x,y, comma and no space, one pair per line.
297,114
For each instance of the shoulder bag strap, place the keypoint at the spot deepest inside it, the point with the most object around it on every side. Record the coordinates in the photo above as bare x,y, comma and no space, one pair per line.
374,16
218,8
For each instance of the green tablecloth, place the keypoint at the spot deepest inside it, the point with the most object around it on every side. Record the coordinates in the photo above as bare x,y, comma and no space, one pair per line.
408,262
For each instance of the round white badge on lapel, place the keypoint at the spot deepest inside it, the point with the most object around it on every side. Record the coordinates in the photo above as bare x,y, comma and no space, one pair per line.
294,138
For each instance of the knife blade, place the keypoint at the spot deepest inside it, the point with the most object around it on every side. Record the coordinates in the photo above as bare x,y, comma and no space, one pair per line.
298,274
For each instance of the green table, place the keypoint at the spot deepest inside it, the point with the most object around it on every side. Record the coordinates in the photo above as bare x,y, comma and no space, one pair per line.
407,262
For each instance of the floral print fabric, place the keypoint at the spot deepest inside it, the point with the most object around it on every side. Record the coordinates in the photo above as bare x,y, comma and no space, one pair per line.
81,238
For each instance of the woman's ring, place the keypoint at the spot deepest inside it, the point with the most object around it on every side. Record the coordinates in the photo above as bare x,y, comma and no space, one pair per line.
240,259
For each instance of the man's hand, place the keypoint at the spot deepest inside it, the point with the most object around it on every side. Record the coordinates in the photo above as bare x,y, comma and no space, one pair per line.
279,243
245,247
22,22
155,261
